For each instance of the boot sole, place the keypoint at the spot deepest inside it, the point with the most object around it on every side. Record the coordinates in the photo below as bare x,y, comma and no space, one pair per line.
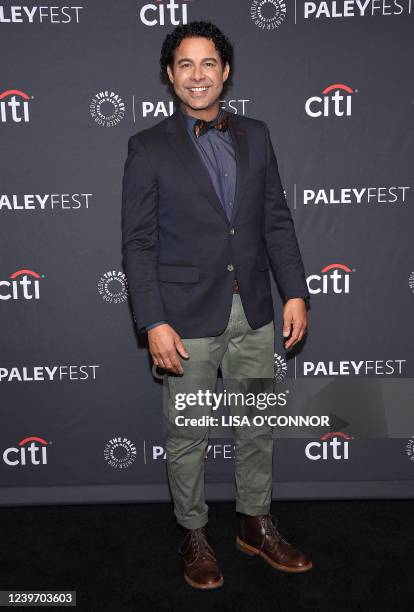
203,587
251,551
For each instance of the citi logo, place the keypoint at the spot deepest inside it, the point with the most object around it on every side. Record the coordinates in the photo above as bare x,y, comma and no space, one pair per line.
23,284
14,106
171,12
335,100
29,451
333,278
332,445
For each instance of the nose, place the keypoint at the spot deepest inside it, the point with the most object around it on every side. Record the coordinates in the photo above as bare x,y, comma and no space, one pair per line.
197,73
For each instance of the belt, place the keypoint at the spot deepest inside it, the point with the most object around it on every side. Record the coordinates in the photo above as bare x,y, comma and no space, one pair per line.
236,288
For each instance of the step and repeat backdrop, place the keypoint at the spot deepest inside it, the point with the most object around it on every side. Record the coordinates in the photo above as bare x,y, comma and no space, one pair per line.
81,411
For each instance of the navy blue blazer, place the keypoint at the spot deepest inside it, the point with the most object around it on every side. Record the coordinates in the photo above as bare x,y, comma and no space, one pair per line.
181,252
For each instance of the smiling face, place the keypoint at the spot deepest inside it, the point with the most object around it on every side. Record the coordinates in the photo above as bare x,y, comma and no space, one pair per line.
197,76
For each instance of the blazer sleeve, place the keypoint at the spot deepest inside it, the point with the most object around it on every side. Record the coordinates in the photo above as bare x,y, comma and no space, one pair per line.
139,220
279,232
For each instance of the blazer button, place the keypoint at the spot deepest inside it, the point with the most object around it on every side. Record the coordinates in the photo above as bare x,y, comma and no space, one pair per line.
232,231
230,267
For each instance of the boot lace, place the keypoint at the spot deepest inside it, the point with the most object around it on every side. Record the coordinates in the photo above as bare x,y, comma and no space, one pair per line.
271,529
200,545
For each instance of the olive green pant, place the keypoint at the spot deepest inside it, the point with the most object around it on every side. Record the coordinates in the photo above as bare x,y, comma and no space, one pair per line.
243,354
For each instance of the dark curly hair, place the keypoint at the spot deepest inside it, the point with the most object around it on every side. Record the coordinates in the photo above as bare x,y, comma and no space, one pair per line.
195,28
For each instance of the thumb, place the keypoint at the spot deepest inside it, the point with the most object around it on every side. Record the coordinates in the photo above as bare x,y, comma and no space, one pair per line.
181,348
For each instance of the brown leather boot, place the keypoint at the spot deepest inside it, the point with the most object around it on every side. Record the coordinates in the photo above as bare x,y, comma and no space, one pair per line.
200,566
258,535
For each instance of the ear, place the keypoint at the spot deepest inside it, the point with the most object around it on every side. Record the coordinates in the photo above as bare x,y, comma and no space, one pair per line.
170,73
226,71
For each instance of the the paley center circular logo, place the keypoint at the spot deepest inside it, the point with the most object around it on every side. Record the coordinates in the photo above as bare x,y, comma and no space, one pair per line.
411,282
107,108
120,452
280,369
113,287
409,449
268,14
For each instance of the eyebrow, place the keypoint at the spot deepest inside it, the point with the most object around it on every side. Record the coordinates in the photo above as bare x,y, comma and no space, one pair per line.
205,59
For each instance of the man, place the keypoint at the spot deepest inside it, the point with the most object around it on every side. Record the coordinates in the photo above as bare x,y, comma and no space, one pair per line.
203,216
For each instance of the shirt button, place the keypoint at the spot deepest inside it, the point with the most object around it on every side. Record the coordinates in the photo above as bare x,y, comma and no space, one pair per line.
230,267
232,231
226,174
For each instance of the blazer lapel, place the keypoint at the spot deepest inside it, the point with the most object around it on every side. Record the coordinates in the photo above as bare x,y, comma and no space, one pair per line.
180,141
241,150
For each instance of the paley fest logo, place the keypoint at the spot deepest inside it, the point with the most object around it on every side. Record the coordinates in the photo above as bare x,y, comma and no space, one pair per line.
356,196
362,367
120,452
355,8
39,14
268,14
23,284
44,202
333,278
213,452
14,106
164,13
335,100
47,373
164,108
332,445
113,287
29,451
107,108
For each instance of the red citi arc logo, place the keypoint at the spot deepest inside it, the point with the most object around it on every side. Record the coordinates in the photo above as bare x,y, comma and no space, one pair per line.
335,100
29,451
332,445
334,278
23,284
14,106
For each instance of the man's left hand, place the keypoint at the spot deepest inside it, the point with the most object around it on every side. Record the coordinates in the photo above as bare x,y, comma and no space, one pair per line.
295,321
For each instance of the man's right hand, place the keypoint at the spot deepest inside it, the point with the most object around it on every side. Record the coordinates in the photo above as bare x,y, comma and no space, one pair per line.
164,342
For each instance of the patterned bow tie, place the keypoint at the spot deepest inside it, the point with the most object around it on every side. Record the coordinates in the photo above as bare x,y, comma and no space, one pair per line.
201,126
